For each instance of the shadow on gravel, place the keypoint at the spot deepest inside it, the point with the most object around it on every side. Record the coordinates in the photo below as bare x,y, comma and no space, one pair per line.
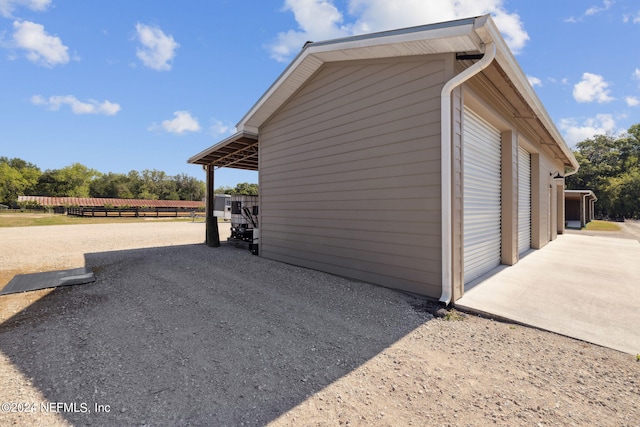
190,335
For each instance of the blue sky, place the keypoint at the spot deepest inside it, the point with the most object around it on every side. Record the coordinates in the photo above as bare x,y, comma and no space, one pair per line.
145,84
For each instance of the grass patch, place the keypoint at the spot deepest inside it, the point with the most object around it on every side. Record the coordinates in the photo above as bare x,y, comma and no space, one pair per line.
454,316
597,225
36,219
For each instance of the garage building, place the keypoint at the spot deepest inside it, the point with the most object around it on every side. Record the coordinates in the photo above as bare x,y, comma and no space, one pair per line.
417,159
579,208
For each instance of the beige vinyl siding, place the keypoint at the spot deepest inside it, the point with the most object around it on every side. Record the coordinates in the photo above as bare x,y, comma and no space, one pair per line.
509,196
547,199
524,200
350,174
457,179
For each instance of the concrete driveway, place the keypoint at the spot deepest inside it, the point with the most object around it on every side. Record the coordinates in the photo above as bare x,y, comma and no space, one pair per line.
582,286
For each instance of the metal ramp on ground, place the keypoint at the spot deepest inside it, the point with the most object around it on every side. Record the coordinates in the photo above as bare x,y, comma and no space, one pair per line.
48,279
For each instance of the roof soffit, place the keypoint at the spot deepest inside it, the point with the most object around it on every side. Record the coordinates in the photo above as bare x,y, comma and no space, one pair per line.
512,105
516,78
239,151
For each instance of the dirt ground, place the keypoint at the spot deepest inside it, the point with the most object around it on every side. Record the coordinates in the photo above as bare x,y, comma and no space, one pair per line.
176,333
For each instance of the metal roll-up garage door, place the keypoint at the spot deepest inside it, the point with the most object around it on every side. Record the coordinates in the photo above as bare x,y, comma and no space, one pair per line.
481,192
524,200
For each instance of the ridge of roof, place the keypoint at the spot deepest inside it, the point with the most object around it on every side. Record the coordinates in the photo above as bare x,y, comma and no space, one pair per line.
394,32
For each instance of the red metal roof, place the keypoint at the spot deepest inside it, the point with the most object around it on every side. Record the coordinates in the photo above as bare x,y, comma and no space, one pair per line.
97,201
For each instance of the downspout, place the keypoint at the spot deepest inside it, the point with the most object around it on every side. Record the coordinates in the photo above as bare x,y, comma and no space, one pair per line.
446,185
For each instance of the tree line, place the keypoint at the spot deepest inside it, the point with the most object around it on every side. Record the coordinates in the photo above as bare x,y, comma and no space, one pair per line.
19,177
610,166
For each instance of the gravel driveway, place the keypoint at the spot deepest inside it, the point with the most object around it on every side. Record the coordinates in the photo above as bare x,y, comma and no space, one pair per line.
176,333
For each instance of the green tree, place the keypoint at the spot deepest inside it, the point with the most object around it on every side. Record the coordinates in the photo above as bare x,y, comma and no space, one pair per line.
156,185
70,181
134,181
610,166
114,185
17,178
12,184
246,189
223,190
624,191
189,188
631,147
243,188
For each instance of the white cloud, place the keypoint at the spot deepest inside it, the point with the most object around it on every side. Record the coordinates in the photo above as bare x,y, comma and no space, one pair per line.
592,88
182,123
157,50
321,19
633,17
38,100
593,10
636,74
8,6
534,81
563,81
92,106
219,128
317,20
632,101
574,132
42,48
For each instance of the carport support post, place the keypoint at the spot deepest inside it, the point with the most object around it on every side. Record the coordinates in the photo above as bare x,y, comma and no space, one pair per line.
212,237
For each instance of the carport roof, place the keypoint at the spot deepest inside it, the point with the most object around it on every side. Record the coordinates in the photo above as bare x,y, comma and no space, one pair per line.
576,194
239,151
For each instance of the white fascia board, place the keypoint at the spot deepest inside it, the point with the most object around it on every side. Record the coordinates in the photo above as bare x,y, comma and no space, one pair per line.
249,129
394,38
589,193
193,159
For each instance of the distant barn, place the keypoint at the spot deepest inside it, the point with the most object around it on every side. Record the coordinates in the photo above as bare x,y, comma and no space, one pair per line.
99,206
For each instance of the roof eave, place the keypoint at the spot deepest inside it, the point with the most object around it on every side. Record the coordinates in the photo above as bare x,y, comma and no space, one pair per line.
589,193
507,61
466,35
198,158
454,36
